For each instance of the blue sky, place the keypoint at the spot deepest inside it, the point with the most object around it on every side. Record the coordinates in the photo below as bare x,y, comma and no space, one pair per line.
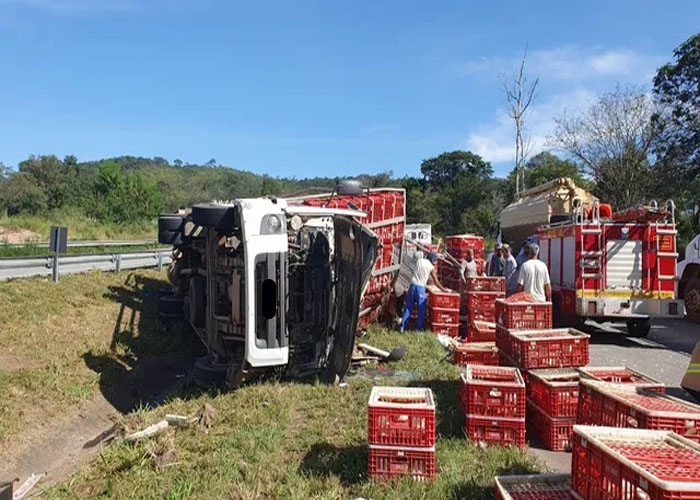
308,88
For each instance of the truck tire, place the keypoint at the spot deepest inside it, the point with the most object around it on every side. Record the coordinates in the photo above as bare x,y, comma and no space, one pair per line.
170,229
207,374
691,297
196,300
639,327
212,215
170,305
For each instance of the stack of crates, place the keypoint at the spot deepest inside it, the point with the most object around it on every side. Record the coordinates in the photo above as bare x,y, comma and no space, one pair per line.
552,405
493,401
457,247
614,405
479,304
612,463
401,433
443,312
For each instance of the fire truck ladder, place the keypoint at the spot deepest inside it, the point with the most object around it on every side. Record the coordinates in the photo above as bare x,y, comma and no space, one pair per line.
655,245
590,258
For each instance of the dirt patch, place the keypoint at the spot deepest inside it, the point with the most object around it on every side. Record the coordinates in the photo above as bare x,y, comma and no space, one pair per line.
17,235
13,363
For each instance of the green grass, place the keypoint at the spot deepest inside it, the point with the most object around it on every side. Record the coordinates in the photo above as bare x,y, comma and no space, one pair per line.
62,343
80,227
293,440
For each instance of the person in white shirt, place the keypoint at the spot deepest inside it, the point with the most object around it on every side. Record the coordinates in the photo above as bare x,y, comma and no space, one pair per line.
534,276
425,271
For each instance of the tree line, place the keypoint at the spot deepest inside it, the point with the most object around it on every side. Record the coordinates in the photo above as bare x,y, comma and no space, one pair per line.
627,147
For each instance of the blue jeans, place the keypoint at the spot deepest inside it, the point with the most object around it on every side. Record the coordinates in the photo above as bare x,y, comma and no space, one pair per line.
416,295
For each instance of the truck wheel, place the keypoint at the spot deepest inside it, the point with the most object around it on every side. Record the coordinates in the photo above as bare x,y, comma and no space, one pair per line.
692,300
219,217
207,374
170,305
170,229
638,327
196,301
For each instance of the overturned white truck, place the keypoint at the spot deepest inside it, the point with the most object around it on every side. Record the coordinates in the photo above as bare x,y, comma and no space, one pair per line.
269,287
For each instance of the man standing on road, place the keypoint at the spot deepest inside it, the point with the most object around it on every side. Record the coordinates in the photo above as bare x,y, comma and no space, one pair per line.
534,276
496,263
468,266
510,271
424,272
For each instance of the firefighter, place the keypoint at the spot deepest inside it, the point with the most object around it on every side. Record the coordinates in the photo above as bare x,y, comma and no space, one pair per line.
534,276
424,272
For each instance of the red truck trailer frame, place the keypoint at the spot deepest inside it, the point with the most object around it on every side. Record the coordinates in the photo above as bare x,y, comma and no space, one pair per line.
617,269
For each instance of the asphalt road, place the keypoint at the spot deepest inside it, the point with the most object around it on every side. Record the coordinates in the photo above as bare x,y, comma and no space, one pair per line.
663,355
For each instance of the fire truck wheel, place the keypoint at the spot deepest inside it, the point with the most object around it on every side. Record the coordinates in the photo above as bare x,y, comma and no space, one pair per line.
219,217
639,327
207,374
692,300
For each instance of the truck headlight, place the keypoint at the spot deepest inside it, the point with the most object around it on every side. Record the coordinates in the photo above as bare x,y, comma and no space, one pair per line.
271,224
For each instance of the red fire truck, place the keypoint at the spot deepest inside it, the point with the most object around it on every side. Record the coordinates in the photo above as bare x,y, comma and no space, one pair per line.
613,267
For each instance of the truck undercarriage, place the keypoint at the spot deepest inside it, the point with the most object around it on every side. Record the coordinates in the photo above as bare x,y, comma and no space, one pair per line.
270,288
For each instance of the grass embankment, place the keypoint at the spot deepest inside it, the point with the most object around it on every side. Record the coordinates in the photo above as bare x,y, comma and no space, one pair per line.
294,440
80,227
61,343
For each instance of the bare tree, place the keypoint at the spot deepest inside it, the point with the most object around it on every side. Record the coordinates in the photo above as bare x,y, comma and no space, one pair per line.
611,141
520,93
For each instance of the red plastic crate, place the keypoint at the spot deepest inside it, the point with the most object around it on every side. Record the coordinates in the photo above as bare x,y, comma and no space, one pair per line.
442,300
376,207
476,353
556,348
388,462
493,391
555,391
523,315
622,375
449,329
401,416
495,431
487,315
483,300
464,241
486,284
554,432
600,404
534,487
503,340
634,464
439,315
481,331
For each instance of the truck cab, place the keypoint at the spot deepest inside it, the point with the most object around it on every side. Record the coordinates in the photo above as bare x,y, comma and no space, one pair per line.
270,287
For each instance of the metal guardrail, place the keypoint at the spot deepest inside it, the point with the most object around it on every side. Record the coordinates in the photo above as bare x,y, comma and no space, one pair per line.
82,244
71,264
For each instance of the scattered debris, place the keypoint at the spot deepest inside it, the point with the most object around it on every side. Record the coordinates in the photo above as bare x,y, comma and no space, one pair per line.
396,353
206,417
27,486
6,489
148,431
343,385
180,420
